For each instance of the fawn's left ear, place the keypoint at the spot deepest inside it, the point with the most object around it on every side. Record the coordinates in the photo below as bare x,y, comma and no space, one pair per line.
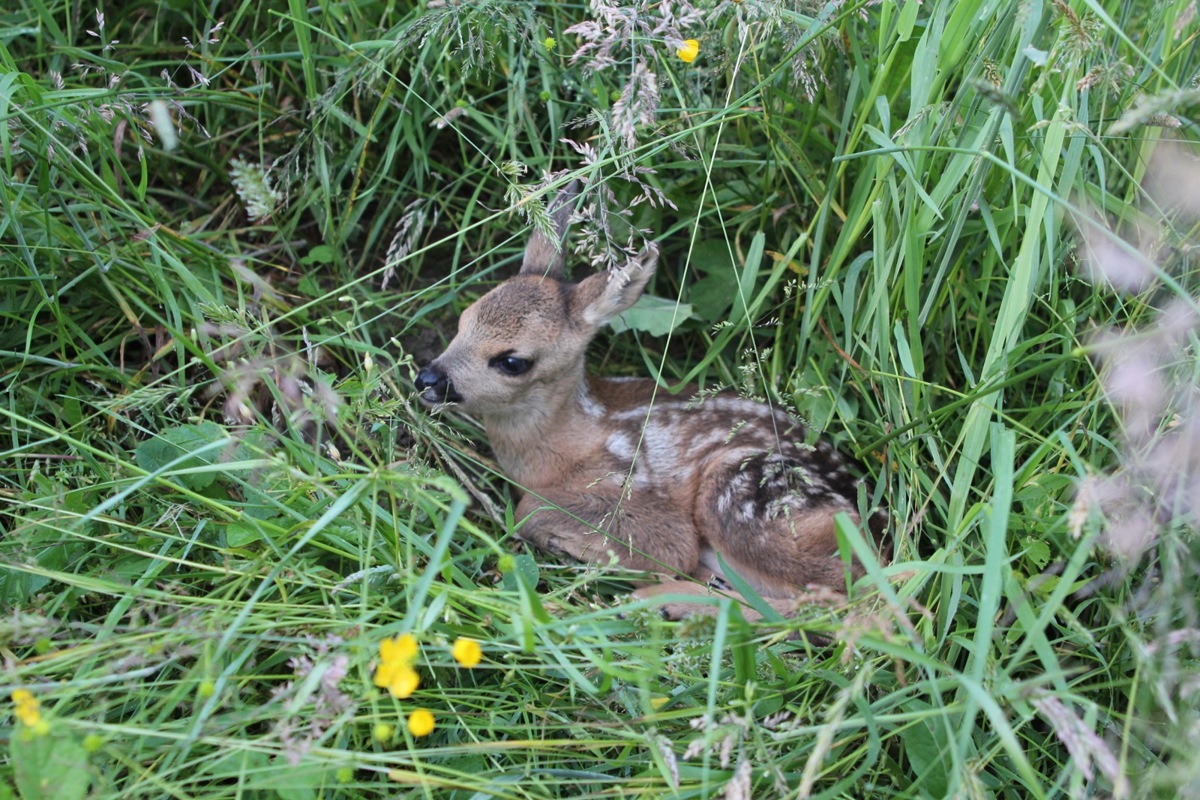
602,296
547,255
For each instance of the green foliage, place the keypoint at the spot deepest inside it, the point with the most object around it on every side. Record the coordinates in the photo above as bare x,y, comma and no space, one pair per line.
52,765
228,232
49,766
191,449
656,316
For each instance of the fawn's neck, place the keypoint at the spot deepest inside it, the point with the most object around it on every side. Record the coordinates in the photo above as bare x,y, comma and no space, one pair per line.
535,447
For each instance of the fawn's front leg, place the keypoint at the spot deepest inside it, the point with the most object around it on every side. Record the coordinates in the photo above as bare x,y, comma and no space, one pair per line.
681,607
641,530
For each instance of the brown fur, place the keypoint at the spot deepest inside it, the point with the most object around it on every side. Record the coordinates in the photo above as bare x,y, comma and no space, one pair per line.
609,465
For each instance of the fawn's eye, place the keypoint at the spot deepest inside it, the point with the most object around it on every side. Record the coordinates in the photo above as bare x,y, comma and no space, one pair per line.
510,365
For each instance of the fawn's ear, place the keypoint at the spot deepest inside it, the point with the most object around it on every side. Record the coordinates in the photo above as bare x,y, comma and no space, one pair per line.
547,255
602,296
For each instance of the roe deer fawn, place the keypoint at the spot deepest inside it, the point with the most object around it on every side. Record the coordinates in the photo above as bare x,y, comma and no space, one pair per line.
614,465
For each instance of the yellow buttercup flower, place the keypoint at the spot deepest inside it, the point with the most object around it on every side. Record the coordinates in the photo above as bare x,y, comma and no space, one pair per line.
467,652
27,708
404,683
402,648
689,51
420,722
395,671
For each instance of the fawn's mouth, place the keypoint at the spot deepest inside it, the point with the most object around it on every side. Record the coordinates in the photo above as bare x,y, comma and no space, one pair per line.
436,400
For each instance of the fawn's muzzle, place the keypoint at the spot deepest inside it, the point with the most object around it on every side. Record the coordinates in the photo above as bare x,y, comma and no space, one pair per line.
435,387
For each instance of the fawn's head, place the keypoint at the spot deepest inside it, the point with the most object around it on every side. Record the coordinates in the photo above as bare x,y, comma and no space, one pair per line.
520,348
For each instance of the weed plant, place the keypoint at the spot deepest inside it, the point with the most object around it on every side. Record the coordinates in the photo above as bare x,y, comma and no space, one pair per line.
959,236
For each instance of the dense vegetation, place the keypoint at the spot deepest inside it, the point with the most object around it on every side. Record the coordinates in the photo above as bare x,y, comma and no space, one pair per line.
960,236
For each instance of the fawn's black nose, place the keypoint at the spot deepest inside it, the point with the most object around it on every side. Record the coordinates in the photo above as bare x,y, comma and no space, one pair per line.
428,378
435,387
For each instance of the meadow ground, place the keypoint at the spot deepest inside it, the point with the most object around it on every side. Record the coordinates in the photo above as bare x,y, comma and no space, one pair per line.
959,236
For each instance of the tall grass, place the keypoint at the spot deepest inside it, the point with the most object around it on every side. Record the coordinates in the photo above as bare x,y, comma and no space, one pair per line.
229,232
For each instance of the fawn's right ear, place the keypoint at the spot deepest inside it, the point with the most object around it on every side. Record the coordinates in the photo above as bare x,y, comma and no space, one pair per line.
545,255
600,297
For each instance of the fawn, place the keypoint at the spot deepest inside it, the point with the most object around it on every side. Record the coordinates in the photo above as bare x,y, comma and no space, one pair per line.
613,465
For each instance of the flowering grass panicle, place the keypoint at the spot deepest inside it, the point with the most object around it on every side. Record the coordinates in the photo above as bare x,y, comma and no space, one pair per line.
1088,751
1145,375
79,121
316,708
636,105
261,374
614,29
407,236
256,188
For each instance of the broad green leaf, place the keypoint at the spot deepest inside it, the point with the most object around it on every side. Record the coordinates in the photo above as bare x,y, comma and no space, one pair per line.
166,449
51,766
656,316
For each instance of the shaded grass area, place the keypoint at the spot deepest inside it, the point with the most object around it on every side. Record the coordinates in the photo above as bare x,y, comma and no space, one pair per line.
229,231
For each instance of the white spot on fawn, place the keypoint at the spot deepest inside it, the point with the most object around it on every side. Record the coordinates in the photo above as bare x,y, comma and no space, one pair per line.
590,405
621,445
